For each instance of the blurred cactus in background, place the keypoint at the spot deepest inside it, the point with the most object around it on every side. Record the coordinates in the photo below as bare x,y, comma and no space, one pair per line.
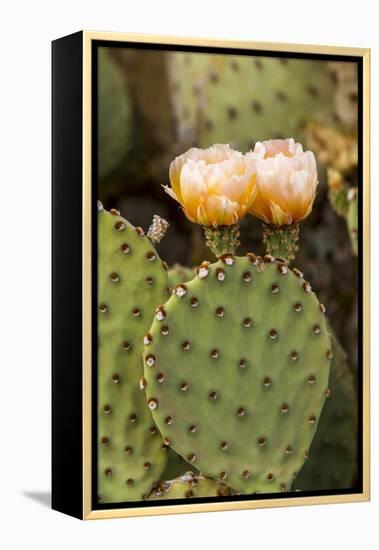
345,76
339,152
344,199
243,99
114,117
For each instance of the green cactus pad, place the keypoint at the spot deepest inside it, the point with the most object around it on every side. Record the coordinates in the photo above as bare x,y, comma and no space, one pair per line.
131,279
239,100
179,274
338,200
189,486
333,454
237,371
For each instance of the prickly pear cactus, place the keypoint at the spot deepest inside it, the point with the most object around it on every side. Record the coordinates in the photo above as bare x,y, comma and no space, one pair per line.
337,192
189,486
211,108
179,274
346,92
131,279
237,369
332,462
114,116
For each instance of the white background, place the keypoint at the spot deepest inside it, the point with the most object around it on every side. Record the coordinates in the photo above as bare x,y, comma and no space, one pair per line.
27,27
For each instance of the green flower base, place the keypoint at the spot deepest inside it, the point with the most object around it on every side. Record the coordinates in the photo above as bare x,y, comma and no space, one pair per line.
281,241
223,239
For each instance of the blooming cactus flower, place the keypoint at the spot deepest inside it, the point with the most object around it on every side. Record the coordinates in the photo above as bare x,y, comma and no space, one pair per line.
287,181
215,186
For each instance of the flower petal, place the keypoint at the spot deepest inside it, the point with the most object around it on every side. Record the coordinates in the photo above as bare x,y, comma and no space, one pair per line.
279,217
170,192
193,187
221,211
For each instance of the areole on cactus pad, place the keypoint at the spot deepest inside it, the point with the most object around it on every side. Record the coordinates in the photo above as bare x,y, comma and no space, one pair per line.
236,371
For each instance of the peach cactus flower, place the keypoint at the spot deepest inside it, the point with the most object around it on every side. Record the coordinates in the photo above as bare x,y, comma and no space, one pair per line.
287,181
215,186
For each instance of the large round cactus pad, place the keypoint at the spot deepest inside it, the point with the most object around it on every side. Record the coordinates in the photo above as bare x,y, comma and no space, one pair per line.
236,371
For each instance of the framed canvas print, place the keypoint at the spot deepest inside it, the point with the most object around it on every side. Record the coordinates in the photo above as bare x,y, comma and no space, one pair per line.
210,275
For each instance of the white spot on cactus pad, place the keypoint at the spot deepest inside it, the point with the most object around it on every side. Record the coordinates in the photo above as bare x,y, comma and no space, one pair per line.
203,271
307,287
160,314
255,260
147,339
298,273
180,291
150,360
283,269
153,404
228,260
